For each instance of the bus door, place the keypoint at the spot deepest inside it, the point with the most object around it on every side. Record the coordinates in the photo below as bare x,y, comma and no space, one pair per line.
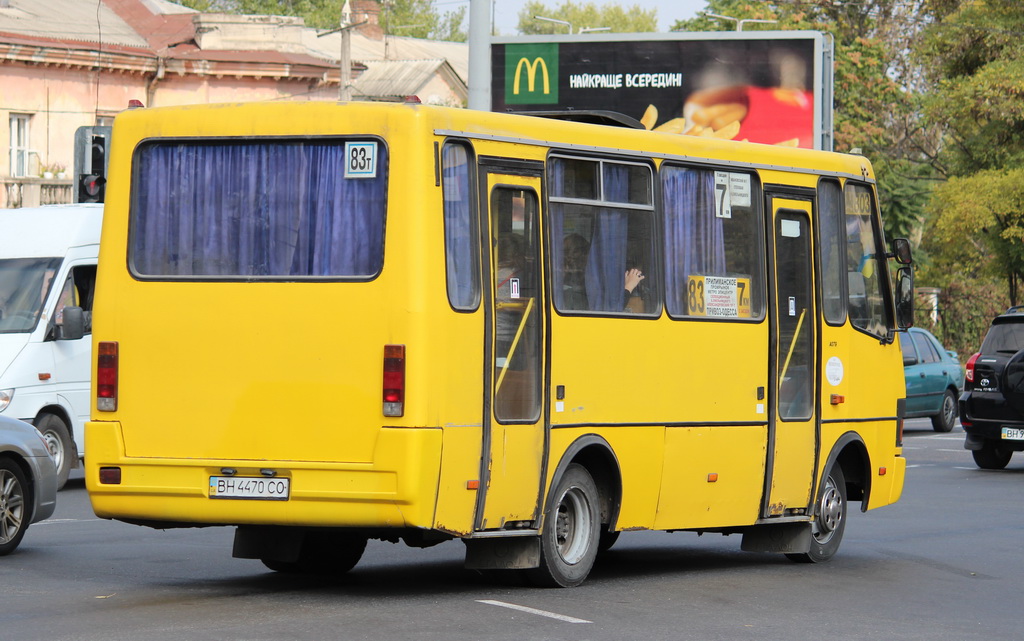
793,437
514,434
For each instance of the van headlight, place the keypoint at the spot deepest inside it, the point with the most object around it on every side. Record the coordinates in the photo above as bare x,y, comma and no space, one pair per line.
5,398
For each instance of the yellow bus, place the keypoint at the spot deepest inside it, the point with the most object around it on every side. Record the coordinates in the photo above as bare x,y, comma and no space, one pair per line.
328,323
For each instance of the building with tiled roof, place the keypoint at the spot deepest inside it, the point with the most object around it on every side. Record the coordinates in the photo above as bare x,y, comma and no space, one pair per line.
71,63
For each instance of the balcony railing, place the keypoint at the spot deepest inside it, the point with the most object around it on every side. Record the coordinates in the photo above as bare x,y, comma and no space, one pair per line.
32,191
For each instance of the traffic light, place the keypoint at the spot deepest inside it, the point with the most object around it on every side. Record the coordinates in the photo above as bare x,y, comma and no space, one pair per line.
91,163
90,188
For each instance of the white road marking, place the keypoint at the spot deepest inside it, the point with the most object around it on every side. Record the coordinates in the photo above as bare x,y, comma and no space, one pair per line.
541,613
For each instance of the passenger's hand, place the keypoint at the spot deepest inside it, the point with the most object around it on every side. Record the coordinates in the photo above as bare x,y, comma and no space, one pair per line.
633,278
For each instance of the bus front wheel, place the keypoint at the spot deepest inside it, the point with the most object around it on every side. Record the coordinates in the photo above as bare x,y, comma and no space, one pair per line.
571,533
829,520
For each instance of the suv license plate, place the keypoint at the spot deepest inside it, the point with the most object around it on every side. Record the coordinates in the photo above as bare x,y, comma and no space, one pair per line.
239,487
1013,434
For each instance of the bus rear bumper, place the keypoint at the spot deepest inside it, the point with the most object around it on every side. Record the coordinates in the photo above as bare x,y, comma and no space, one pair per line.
177,492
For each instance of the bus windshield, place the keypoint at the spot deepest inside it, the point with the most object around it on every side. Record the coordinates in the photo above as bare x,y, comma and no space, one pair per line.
24,284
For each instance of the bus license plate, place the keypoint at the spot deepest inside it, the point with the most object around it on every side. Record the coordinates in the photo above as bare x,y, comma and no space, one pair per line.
1013,434
236,487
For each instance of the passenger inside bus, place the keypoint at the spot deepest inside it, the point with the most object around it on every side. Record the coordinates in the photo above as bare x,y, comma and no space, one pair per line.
576,251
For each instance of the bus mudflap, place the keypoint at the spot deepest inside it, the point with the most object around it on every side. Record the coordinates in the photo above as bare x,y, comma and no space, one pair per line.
788,538
503,553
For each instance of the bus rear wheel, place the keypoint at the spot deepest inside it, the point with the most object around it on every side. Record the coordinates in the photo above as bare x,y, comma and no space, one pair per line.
829,520
571,533
324,554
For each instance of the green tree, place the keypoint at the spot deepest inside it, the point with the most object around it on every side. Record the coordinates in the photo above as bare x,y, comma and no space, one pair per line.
974,57
586,15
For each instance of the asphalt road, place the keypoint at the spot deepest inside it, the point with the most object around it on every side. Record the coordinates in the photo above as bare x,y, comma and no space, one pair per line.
945,563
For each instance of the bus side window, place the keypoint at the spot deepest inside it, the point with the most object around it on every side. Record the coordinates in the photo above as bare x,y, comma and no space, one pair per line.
713,243
462,257
831,241
602,241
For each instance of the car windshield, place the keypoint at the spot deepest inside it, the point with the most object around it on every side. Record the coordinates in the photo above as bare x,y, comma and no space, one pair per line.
1004,337
24,284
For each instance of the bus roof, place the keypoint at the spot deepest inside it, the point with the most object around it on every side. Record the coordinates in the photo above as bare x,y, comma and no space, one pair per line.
321,118
49,230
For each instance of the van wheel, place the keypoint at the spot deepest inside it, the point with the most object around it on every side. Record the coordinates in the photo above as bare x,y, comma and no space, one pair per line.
991,457
58,441
829,521
571,534
946,418
13,515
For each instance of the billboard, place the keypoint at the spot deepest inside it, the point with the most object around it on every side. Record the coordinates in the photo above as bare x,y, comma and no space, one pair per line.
770,87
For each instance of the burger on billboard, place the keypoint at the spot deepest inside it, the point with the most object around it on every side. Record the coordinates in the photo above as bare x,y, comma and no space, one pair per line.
768,87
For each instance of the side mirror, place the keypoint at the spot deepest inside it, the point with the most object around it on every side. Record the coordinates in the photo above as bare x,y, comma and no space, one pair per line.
73,326
909,359
901,251
904,298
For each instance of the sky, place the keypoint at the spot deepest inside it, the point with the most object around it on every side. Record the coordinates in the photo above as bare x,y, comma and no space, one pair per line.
506,12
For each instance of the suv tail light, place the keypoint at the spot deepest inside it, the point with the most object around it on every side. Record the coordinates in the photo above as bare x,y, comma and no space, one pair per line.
106,376
969,369
394,380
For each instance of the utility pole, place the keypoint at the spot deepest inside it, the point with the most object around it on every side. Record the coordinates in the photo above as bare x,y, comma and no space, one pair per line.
345,65
344,80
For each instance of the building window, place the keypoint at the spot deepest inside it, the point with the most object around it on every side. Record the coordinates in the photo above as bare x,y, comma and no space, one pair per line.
19,144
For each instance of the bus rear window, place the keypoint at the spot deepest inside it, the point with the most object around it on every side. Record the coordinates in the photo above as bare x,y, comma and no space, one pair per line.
274,209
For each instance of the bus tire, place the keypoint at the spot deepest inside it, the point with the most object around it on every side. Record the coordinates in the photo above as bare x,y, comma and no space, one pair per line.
571,534
58,441
829,520
323,554
15,513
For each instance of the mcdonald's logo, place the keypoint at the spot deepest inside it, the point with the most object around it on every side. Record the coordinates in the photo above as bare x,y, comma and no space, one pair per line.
531,74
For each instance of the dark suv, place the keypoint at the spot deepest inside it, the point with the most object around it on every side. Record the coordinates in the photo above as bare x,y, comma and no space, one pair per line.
992,404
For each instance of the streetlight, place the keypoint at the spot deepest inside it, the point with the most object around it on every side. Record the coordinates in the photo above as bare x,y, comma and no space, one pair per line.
568,24
739,22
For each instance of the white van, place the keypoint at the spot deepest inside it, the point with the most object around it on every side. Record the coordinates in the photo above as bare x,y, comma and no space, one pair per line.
47,279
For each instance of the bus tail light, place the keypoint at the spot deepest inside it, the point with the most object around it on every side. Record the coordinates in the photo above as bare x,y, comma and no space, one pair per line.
394,380
969,370
106,376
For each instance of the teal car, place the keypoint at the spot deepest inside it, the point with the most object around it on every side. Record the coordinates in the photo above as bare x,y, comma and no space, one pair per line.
934,378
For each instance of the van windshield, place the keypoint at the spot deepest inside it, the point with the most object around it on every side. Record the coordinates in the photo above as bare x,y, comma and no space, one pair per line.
24,285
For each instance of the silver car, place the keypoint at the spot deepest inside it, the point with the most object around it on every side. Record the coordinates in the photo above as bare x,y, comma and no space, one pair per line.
28,481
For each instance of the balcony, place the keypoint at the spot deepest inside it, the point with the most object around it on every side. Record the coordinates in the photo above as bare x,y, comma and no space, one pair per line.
33,191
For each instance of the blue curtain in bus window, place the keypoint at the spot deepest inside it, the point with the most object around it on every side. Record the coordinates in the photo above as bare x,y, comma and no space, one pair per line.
694,236
459,237
606,267
281,209
556,186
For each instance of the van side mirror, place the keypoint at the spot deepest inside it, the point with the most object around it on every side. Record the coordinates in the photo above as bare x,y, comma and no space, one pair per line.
904,298
901,251
73,326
